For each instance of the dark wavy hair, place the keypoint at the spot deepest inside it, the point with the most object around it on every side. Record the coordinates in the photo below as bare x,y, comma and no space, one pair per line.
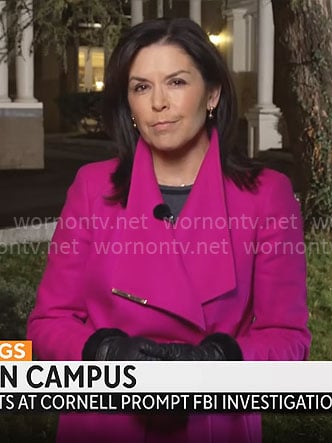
189,36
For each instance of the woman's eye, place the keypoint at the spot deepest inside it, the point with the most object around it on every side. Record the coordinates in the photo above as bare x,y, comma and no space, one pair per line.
178,82
140,88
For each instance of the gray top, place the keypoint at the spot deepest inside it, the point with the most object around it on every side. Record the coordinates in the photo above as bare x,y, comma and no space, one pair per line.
175,197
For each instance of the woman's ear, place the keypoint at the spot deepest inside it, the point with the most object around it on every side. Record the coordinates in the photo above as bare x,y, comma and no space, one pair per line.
213,97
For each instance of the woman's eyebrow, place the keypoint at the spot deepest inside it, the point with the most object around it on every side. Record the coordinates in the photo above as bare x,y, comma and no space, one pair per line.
142,79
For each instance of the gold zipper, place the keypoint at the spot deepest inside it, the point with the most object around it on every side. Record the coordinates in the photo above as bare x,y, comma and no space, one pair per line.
141,301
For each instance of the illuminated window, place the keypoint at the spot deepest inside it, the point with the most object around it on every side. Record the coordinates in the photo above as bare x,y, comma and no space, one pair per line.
90,69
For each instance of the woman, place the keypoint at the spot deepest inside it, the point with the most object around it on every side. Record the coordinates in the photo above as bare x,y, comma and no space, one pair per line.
186,224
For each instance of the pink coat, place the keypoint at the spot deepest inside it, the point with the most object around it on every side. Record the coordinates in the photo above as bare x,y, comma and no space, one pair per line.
234,263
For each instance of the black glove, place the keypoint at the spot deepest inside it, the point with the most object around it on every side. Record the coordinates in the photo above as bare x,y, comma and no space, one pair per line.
215,347
115,345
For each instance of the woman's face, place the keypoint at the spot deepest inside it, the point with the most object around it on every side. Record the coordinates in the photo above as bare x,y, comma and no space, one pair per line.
168,97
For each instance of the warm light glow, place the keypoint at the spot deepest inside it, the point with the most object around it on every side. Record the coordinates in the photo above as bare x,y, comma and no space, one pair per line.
99,85
219,39
91,68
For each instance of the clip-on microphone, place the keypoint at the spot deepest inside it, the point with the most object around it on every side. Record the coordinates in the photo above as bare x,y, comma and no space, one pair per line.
163,212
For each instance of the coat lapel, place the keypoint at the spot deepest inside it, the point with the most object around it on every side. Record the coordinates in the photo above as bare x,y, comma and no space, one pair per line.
162,264
211,266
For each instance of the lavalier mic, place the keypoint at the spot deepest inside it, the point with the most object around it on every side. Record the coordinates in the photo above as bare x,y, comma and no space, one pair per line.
163,212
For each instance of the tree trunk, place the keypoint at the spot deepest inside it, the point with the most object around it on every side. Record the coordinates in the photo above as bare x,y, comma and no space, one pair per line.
304,56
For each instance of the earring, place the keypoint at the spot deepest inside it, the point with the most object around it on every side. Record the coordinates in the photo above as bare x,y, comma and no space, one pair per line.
134,121
211,109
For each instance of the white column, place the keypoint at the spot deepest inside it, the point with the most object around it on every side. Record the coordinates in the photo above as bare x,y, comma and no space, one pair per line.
24,61
160,8
264,118
265,53
251,43
136,11
236,50
3,64
195,11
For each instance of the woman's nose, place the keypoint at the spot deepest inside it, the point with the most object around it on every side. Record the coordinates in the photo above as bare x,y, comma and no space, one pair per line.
159,99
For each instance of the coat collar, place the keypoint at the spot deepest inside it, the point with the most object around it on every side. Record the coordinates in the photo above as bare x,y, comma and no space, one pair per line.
184,266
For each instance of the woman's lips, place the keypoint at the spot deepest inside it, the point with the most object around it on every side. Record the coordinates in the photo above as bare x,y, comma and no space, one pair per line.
164,125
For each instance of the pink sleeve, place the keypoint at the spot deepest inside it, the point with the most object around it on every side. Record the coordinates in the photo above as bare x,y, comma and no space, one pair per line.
279,327
56,325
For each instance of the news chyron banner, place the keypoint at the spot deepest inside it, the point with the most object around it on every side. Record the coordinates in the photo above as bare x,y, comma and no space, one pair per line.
136,387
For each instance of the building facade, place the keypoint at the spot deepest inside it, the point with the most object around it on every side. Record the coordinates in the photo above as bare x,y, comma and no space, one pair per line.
244,33
21,116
